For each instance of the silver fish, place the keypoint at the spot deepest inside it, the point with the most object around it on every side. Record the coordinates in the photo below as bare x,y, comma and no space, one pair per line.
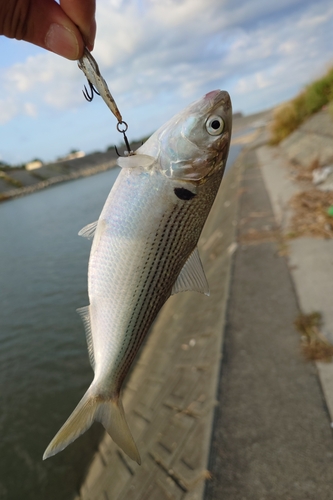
144,250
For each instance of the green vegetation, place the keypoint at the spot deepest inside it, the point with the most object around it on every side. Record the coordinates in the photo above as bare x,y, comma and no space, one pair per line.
10,180
315,345
291,115
5,167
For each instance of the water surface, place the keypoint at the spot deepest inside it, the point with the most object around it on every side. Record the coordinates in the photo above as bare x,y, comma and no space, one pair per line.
43,356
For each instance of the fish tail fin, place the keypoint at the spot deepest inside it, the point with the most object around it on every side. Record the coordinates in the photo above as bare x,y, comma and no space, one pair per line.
108,411
112,416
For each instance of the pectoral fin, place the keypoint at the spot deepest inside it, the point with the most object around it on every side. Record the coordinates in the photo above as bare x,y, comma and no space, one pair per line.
192,276
136,161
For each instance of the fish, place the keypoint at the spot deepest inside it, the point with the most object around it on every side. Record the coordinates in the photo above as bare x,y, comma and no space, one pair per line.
144,250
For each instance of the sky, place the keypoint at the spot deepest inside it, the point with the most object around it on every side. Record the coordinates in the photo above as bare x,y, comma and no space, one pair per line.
157,57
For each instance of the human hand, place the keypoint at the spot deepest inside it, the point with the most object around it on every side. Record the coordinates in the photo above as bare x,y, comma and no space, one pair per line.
64,29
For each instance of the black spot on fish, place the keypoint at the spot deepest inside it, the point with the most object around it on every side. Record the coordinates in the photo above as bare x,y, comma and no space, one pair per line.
184,194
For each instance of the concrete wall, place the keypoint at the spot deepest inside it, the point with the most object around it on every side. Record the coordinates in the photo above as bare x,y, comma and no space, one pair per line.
311,141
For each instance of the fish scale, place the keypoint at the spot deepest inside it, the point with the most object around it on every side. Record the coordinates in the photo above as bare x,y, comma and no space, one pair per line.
154,277
145,249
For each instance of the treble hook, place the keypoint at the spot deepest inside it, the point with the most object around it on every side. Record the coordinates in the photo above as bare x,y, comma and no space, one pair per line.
119,124
86,94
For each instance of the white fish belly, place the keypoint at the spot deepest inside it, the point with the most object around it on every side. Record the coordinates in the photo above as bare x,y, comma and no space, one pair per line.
144,236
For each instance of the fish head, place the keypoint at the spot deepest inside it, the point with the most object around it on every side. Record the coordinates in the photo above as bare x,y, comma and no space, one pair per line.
194,144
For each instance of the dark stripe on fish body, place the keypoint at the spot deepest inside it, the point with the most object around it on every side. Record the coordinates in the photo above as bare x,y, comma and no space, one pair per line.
153,299
171,237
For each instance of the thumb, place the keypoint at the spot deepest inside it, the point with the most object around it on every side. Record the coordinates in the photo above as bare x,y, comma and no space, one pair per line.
43,23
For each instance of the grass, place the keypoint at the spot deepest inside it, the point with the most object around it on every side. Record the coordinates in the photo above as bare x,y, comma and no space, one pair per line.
3,197
290,116
314,345
311,214
10,180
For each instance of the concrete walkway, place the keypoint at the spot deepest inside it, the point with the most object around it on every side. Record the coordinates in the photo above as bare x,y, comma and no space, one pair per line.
271,426
272,438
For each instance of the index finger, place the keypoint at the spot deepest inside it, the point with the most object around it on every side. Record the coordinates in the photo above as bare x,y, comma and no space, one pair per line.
82,13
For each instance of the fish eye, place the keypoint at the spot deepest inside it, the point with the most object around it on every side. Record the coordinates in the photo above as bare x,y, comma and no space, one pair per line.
215,125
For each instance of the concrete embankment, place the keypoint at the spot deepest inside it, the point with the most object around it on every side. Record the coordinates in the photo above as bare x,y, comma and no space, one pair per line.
275,421
312,141
56,179
15,182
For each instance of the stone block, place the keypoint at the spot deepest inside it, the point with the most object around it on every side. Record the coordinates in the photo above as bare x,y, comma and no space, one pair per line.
190,464
162,488
96,471
172,437
114,480
182,387
138,485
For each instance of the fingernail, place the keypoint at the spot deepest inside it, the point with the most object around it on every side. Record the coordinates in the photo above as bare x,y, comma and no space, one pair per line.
62,41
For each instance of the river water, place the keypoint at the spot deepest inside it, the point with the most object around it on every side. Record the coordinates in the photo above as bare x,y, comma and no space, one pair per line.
44,367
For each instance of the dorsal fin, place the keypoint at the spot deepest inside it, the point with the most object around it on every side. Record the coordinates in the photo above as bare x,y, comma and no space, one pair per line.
84,312
88,231
192,276
136,161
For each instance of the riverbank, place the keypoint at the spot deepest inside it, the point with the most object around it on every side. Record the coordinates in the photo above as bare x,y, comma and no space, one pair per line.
56,179
20,182
170,398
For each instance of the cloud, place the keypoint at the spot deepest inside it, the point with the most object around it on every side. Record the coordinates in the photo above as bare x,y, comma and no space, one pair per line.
158,56
8,109
148,47
186,47
30,109
42,80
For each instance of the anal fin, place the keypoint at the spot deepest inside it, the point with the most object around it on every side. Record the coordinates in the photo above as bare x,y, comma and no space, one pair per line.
88,231
84,313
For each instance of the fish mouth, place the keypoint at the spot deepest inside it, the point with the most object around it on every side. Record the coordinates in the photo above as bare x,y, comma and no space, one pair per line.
213,94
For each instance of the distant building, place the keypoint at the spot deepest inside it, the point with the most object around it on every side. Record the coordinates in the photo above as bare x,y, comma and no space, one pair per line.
72,156
32,165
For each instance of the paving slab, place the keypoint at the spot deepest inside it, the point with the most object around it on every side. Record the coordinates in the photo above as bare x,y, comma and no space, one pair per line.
276,174
311,265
